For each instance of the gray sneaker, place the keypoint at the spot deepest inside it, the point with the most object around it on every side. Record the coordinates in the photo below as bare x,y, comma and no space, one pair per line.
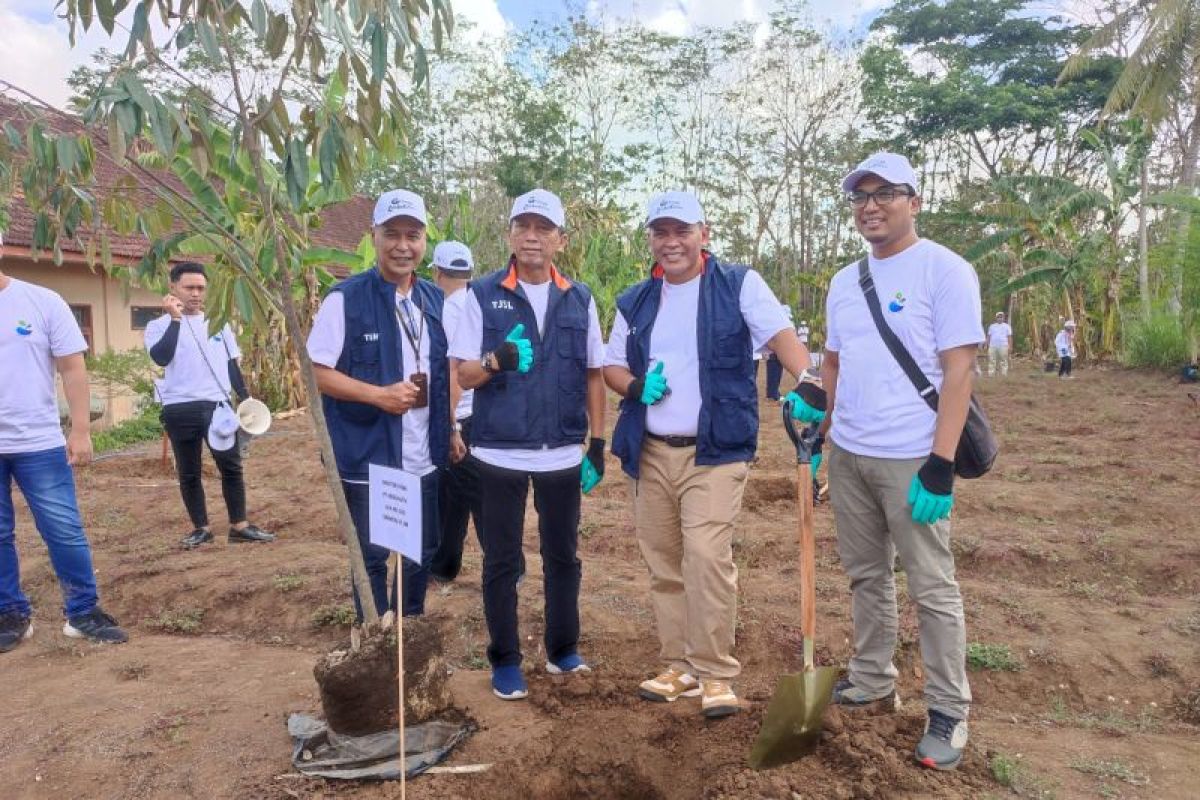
846,693
15,628
944,741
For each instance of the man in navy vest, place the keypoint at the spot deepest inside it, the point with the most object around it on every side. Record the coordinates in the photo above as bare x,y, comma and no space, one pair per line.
687,431
529,344
379,353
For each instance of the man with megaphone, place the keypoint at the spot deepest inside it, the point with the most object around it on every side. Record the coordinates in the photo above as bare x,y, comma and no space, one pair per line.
200,372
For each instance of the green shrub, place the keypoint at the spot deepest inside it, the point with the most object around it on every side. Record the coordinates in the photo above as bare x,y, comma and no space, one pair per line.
1159,341
994,657
145,427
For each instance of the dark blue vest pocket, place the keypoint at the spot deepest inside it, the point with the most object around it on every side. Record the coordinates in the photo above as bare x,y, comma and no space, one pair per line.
734,423
364,366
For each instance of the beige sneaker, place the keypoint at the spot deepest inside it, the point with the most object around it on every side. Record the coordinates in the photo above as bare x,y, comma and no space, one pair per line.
718,699
669,687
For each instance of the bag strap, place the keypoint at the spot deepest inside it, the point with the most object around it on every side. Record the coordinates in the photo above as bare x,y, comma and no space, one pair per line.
204,357
924,388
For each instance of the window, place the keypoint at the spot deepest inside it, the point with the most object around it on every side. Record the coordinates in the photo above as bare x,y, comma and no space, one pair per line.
83,318
140,316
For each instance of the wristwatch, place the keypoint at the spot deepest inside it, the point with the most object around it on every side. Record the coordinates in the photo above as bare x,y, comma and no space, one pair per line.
488,362
456,426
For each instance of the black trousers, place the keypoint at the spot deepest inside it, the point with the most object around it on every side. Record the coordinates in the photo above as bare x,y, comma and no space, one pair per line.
774,375
1064,366
187,428
458,503
556,496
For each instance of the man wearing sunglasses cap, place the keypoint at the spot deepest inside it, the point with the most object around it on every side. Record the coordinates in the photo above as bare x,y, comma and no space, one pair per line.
891,470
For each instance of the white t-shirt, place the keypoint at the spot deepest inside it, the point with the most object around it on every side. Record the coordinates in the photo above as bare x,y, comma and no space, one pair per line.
187,377
451,312
930,299
325,342
467,345
998,334
673,341
36,327
1064,344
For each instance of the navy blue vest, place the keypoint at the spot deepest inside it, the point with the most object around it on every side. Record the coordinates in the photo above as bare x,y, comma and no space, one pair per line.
727,430
547,406
363,434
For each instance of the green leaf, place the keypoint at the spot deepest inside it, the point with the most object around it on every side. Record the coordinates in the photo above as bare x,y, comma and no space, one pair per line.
378,52
258,19
185,35
67,153
277,35
245,302
208,40
330,151
420,67
321,256
107,15
141,21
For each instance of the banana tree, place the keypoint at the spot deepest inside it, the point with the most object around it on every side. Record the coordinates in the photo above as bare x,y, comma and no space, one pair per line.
240,176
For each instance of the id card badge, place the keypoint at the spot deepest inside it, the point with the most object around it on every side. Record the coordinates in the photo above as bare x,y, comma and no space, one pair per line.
421,381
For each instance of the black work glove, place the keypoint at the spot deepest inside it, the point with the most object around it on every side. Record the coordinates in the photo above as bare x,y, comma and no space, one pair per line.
937,475
507,357
595,454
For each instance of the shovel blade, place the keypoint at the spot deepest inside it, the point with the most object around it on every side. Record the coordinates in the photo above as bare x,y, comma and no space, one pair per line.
792,725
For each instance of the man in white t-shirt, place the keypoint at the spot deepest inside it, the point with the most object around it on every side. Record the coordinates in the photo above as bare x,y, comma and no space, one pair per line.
38,336
529,344
379,353
999,339
1064,345
681,354
891,465
458,486
200,373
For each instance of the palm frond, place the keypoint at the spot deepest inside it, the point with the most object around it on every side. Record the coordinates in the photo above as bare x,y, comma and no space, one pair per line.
1051,275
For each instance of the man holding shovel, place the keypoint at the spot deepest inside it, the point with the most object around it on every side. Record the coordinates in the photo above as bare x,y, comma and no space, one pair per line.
681,354
891,470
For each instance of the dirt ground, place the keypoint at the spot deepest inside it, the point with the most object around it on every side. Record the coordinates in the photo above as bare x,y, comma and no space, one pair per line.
1080,553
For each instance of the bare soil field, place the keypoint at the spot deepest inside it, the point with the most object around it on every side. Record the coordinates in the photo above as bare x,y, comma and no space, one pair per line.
1079,558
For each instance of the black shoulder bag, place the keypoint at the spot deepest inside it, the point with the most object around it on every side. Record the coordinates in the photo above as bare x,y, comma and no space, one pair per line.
977,447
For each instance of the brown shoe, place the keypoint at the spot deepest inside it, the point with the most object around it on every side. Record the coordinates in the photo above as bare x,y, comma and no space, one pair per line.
669,687
718,699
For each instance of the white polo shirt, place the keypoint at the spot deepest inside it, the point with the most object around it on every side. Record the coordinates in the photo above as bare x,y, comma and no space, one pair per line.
998,334
673,341
930,298
199,369
36,327
325,342
468,346
451,314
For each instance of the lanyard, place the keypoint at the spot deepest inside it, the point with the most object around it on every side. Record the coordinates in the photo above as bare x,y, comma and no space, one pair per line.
414,329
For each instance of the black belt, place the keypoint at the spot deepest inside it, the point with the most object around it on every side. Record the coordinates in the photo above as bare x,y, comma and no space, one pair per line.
674,441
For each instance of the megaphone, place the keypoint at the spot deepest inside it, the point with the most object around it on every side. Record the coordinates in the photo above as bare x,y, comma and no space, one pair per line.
254,416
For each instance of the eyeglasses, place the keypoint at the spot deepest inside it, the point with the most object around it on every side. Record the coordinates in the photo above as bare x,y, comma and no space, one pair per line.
883,196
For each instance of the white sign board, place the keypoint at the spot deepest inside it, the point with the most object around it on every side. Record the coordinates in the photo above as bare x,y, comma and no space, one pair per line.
396,510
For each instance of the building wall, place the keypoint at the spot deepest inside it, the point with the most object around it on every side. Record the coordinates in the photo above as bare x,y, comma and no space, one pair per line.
111,314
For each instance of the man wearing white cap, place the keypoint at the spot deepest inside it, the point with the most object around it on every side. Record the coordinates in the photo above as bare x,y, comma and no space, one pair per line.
999,340
458,486
1064,343
379,352
38,337
529,344
200,373
686,434
891,468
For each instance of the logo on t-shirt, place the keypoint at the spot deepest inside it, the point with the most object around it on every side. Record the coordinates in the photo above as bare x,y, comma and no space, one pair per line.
897,303
24,328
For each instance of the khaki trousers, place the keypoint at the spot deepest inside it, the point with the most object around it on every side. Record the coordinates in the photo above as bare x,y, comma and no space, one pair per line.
997,360
874,524
684,517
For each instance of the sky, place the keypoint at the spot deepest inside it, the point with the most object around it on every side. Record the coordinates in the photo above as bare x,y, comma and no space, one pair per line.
36,54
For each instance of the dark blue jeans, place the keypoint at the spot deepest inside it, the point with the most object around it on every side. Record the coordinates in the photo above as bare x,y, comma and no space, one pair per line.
774,375
48,484
414,576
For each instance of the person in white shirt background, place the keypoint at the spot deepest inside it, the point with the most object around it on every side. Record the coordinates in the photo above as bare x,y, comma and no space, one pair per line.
1064,344
999,344
38,337
891,465
200,372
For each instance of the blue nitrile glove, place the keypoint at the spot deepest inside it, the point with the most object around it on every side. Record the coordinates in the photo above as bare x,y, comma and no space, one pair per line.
592,471
931,493
523,347
650,389
808,402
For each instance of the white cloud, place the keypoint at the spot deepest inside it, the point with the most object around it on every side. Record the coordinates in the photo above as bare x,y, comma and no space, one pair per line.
484,18
37,55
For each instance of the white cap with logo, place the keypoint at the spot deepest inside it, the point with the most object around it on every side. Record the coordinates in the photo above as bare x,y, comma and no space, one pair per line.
399,203
891,167
453,258
682,206
541,202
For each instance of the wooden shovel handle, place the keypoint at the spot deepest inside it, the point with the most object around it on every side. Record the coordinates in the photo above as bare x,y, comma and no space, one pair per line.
808,552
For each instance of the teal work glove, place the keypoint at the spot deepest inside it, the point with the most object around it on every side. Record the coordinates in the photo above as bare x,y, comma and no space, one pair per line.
592,470
816,464
808,403
931,493
524,347
650,389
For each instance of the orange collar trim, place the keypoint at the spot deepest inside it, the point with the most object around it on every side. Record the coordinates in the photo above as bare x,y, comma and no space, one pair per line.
657,273
510,280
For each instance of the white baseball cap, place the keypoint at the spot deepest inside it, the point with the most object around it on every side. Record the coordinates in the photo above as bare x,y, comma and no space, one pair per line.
541,202
890,167
1069,323
223,428
453,258
682,206
399,203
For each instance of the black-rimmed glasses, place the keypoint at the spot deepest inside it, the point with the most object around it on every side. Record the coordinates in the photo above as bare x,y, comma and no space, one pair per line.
883,196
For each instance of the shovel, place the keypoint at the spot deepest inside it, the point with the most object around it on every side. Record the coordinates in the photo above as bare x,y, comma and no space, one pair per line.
792,726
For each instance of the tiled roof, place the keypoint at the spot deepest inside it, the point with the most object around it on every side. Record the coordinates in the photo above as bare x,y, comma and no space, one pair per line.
342,225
